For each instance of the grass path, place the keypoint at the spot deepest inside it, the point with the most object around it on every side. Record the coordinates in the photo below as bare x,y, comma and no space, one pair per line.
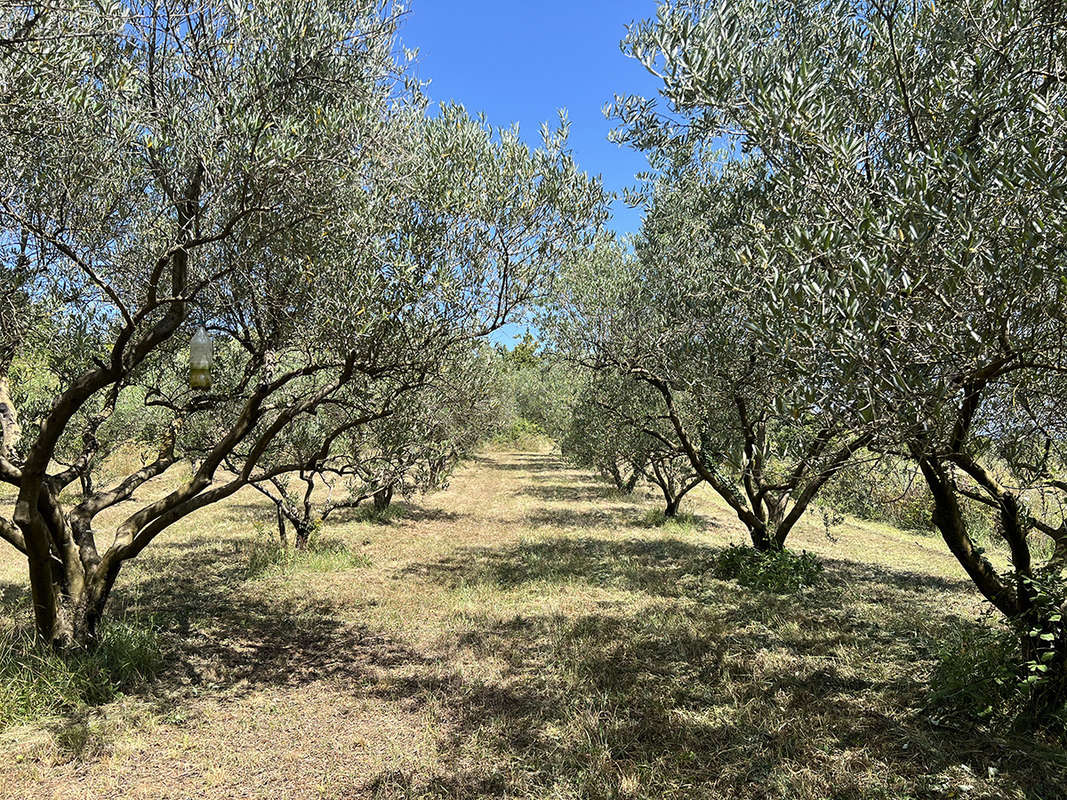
522,635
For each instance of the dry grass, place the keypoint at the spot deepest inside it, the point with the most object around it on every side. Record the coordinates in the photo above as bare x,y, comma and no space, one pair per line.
526,634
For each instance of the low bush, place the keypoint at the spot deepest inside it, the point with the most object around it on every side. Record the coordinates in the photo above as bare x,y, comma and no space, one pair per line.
782,572
37,682
980,674
655,518
976,671
267,556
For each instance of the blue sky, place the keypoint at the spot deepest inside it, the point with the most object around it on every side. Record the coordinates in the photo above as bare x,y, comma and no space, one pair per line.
522,61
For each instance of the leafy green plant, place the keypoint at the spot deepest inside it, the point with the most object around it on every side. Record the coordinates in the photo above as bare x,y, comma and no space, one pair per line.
976,671
37,682
982,673
1044,676
781,572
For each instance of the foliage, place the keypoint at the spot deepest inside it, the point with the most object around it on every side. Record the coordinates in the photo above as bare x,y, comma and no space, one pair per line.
536,392
412,445
782,572
270,171
616,429
662,311
267,556
521,434
1044,633
36,682
883,490
979,676
891,179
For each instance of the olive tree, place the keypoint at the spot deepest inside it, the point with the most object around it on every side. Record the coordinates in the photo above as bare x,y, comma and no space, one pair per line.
421,432
663,314
618,430
535,389
913,229
264,170
599,440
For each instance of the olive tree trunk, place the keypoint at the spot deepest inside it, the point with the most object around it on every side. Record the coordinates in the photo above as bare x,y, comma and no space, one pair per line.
383,498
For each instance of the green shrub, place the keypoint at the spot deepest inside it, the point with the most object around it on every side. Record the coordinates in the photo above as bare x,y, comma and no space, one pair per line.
782,572
980,672
267,556
37,682
521,434
976,671
655,518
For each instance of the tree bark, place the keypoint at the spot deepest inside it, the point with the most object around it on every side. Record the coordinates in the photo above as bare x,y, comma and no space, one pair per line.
625,485
9,419
283,536
382,498
68,613
304,530
948,518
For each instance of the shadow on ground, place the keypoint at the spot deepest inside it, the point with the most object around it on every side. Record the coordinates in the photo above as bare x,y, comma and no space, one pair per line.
578,493
695,688
228,636
704,689
249,513
523,462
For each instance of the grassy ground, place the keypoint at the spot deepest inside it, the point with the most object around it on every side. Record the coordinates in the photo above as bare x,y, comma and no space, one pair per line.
524,635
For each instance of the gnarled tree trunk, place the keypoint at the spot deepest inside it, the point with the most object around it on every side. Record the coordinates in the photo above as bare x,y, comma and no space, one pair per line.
383,498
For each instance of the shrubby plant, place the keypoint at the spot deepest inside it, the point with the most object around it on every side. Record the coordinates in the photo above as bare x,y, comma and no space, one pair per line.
782,573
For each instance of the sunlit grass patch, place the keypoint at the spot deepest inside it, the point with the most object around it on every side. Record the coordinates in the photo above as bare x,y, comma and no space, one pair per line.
267,556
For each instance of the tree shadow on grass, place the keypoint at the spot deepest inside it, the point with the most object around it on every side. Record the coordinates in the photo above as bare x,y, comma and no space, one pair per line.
697,689
223,634
523,462
397,512
578,492
650,566
569,518
707,690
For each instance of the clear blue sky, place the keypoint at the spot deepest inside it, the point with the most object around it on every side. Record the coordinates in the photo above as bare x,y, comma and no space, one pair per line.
522,61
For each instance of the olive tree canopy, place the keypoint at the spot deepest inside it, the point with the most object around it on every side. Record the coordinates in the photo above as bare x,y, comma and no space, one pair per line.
266,170
910,161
